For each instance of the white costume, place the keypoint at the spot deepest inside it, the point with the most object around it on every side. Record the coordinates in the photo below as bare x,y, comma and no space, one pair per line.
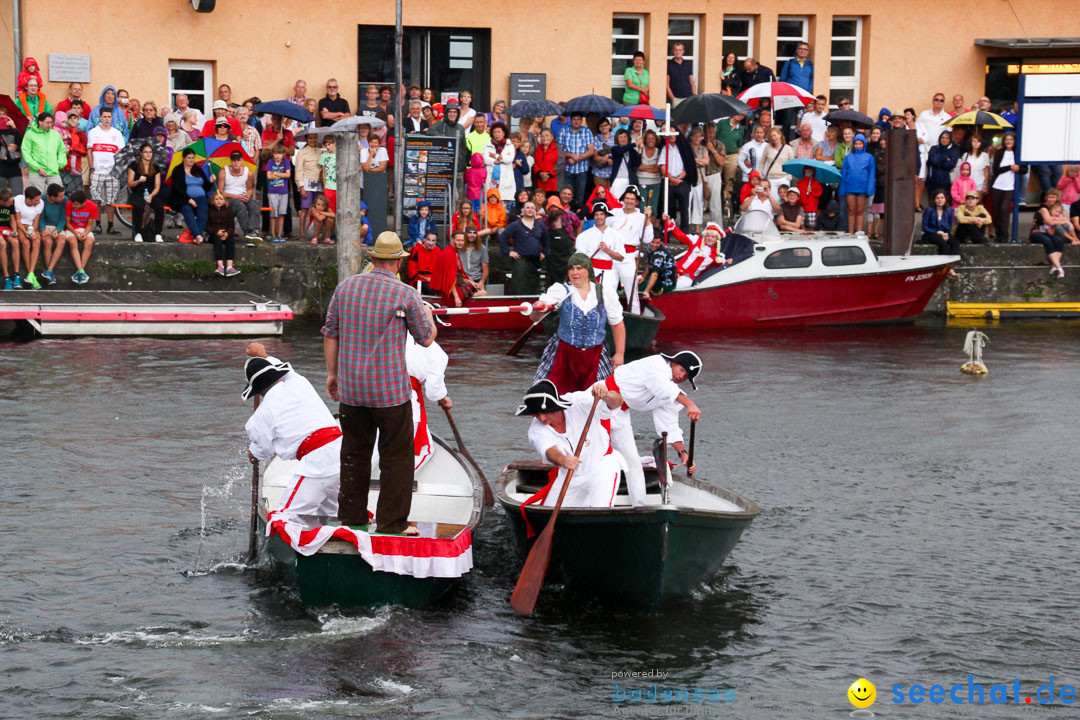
646,386
635,232
292,415
427,367
597,477
588,242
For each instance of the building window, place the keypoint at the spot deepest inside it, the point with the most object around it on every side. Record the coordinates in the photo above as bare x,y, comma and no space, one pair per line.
845,64
683,29
194,79
790,31
627,37
739,35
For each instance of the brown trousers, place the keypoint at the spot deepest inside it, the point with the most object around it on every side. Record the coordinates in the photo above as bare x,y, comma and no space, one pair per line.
395,432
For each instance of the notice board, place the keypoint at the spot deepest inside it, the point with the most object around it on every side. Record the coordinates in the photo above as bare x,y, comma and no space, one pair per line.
430,170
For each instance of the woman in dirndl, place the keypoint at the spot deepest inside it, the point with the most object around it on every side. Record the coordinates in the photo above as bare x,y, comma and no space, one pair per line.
576,356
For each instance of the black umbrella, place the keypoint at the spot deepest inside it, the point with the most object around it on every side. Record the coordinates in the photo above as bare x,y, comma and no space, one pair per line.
707,108
591,104
853,117
284,108
128,153
535,109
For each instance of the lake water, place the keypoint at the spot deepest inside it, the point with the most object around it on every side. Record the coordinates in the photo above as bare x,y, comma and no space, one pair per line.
918,525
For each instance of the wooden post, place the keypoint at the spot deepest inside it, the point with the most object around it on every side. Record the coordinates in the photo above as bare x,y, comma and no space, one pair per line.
399,139
348,204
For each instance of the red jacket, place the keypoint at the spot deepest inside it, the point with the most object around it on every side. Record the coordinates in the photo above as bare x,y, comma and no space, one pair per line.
423,264
809,192
545,162
700,257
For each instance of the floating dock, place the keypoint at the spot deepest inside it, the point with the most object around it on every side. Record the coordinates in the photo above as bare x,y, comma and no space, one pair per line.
1014,311
75,313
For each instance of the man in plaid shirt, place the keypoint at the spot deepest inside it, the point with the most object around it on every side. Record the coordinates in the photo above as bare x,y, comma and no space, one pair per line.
364,345
576,143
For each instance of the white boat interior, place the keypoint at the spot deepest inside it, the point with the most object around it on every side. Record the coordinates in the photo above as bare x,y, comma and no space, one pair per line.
444,492
681,495
811,254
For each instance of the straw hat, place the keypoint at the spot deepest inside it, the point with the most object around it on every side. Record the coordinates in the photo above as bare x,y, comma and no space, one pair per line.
388,247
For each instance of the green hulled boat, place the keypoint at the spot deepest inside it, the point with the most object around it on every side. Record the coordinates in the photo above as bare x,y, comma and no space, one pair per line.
632,556
447,506
640,329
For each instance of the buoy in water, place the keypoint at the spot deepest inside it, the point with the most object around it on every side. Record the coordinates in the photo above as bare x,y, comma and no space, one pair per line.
973,346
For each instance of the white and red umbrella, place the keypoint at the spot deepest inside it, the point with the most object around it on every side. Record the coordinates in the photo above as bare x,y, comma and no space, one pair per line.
784,95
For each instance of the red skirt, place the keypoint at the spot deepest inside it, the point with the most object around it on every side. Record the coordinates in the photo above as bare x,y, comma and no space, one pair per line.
574,369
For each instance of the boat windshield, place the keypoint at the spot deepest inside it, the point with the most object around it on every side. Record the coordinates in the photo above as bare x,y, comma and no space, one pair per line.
759,225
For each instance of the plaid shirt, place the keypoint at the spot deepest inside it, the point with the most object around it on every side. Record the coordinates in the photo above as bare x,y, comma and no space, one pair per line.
576,143
371,353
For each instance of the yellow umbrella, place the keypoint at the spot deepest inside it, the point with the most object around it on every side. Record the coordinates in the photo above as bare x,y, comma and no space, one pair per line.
981,118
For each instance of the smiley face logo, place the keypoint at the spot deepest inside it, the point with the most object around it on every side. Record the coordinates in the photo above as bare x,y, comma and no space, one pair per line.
862,693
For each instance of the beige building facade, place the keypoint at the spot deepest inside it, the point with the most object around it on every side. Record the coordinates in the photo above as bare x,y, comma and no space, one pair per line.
881,54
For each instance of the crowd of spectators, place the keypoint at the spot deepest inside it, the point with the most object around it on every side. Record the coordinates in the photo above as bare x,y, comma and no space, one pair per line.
554,165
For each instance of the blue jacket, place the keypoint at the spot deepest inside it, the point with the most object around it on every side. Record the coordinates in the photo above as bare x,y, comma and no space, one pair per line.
881,119
939,164
858,174
119,119
418,225
931,223
799,76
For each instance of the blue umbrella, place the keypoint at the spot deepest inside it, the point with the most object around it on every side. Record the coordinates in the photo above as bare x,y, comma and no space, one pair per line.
823,172
592,103
535,108
641,112
285,109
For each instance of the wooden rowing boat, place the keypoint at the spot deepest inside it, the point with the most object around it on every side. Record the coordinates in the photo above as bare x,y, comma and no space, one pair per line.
447,504
632,556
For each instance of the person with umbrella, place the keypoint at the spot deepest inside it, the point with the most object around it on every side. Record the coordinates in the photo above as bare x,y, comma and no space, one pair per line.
144,188
190,189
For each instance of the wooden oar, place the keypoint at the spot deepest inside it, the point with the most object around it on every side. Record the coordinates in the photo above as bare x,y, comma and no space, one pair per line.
536,565
253,542
690,453
520,342
489,499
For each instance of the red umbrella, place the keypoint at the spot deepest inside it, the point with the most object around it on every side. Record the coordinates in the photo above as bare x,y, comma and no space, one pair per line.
784,95
641,112
14,113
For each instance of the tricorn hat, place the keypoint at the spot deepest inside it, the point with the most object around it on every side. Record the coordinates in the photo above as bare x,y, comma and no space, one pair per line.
689,361
631,190
261,374
543,397
388,246
600,205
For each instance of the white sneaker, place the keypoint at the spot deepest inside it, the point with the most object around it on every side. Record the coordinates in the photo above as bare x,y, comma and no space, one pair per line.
158,238
1061,273
138,237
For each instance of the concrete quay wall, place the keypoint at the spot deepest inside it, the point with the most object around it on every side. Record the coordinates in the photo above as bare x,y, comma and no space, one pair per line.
304,276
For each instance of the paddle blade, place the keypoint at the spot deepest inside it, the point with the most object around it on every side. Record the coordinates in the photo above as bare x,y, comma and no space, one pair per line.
520,342
532,575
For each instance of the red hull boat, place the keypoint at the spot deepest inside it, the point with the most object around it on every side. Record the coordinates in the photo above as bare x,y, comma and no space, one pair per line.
807,279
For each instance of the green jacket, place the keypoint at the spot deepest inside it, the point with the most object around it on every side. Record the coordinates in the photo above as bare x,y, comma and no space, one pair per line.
842,150
43,149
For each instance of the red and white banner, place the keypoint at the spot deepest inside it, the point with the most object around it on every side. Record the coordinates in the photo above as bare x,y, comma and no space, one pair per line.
414,556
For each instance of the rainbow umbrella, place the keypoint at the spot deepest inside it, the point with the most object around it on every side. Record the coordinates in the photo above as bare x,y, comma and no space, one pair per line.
212,155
